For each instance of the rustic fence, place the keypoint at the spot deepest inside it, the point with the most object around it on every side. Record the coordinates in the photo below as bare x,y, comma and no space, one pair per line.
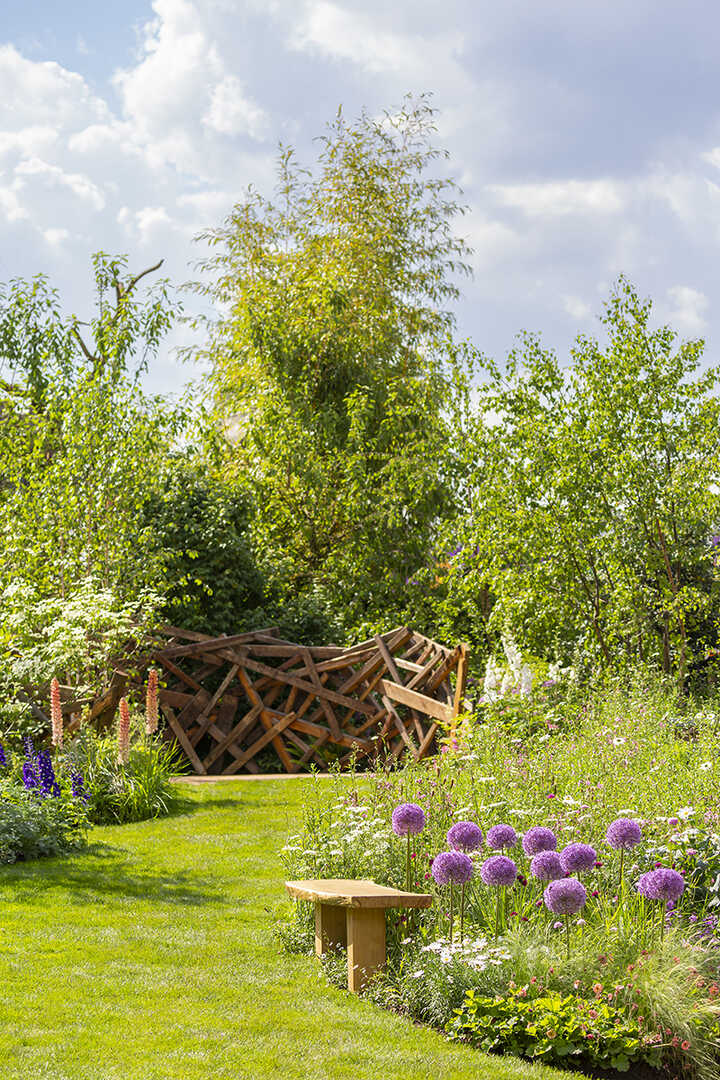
227,699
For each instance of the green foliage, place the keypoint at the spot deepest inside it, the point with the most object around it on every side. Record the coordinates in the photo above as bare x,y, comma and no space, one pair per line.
555,1027
32,827
593,495
80,444
200,529
74,638
119,793
330,375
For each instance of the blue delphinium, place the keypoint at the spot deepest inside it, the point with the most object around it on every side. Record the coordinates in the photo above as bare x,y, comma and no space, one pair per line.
3,758
78,787
46,773
28,747
30,776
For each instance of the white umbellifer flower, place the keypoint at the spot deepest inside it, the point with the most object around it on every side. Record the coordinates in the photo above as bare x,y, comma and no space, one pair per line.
705,765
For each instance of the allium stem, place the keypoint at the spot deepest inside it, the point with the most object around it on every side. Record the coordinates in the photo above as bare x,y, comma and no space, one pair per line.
620,882
407,864
567,934
663,909
451,910
462,912
497,914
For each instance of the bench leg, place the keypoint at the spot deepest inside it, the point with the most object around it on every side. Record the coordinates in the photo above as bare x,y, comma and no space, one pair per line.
330,930
366,945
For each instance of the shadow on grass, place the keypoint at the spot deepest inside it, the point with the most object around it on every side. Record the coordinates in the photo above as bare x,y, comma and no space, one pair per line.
102,872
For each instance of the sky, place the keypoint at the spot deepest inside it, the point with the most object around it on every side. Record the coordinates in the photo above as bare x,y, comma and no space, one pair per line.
585,137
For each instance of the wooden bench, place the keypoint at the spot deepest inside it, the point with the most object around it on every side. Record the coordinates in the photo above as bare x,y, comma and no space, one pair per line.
352,914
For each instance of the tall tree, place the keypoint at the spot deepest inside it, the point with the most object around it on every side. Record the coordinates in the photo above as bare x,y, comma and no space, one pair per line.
80,441
329,367
595,494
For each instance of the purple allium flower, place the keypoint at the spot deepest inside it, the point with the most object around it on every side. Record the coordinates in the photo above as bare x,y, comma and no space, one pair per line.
465,836
29,776
452,866
663,884
577,858
624,834
538,839
565,896
408,819
3,758
498,870
546,866
501,836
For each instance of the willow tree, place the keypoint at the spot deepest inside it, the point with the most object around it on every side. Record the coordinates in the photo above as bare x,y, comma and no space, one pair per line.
329,366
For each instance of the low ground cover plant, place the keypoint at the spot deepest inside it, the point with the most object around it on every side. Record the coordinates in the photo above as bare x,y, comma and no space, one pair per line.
576,878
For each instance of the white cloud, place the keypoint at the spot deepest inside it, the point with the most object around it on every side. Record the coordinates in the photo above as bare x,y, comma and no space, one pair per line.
53,176
560,198
576,308
687,311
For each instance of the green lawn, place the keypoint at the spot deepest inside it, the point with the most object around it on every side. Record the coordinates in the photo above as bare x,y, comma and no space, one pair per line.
151,956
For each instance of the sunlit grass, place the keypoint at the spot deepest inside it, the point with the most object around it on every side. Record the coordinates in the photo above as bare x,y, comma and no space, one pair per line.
151,957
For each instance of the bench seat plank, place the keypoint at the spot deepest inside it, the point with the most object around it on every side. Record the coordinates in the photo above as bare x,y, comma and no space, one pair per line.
356,894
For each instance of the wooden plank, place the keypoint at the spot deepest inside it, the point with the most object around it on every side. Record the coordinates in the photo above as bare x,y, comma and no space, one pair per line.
270,735
325,705
183,740
308,687
180,674
266,720
427,741
309,728
208,645
427,705
400,727
424,672
241,728
389,662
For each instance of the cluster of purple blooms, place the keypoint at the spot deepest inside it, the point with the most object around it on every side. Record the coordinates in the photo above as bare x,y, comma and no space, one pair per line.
564,893
38,773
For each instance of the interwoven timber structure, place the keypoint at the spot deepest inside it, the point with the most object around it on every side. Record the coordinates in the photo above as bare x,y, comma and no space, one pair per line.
227,699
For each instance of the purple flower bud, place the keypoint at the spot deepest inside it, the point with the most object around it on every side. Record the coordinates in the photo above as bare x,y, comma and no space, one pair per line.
408,819
498,871
538,838
452,866
624,833
465,836
663,884
501,836
565,897
546,866
577,858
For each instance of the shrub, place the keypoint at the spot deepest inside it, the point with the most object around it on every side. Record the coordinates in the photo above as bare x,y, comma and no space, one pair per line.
554,1028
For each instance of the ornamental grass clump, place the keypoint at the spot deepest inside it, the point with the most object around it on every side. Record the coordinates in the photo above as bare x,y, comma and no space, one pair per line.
565,897
454,868
499,872
408,820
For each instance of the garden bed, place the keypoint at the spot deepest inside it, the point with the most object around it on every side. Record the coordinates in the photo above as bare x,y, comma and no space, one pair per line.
586,885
